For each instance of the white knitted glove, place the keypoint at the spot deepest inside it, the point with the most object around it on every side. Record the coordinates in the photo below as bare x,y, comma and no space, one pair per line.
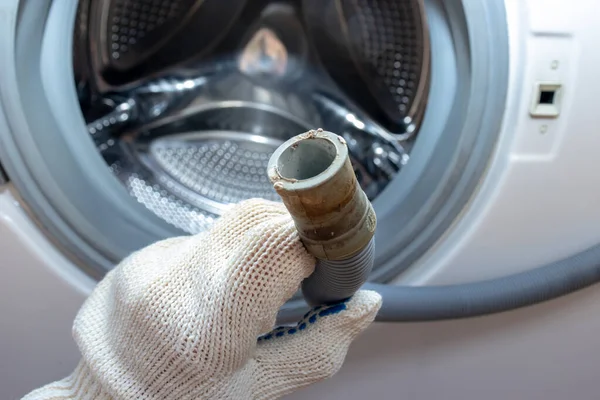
180,319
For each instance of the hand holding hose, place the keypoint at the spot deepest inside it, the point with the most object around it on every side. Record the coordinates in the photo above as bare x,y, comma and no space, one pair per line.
192,318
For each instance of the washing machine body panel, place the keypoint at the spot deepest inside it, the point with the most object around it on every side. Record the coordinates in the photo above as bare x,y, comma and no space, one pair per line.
537,204
546,351
549,351
40,293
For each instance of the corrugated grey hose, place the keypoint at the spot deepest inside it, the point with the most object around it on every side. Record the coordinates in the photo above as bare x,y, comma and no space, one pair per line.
314,177
335,280
432,303
338,276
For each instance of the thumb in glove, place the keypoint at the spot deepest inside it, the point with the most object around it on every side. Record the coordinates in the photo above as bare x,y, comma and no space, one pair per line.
314,349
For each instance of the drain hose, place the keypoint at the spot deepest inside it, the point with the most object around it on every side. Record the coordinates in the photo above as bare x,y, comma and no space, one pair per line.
313,175
342,240
402,303
335,280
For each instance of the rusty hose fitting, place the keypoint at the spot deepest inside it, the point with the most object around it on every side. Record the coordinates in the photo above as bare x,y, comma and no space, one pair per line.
335,220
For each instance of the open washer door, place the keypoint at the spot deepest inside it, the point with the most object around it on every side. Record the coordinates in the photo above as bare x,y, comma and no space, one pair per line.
128,121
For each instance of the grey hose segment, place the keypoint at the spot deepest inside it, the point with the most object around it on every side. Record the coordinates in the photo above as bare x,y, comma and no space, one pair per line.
412,304
335,280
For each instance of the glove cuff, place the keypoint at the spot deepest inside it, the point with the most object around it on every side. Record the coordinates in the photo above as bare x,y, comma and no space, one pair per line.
80,385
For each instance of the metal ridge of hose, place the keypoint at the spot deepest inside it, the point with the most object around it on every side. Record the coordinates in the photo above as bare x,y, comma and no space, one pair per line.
313,175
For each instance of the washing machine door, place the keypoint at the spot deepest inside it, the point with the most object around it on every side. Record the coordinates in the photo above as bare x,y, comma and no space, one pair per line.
128,121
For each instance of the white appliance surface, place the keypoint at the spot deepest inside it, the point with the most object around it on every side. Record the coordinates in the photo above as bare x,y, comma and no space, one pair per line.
538,203
548,351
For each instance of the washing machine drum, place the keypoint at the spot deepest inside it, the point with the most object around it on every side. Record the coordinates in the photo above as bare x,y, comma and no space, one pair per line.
135,120
189,143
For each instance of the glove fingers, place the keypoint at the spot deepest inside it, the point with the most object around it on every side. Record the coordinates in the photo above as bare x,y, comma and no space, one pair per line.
245,216
313,350
259,261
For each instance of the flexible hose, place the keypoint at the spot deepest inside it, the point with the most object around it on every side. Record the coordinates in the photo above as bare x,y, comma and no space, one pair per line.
411,304
335,280
313,175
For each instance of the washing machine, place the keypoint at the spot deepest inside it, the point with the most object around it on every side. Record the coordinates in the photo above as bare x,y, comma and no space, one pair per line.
471,126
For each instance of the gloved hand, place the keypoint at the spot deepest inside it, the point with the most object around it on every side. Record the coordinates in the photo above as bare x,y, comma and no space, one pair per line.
180,319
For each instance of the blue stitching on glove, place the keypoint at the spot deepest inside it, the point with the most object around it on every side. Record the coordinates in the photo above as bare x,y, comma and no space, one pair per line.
311,317
333,310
